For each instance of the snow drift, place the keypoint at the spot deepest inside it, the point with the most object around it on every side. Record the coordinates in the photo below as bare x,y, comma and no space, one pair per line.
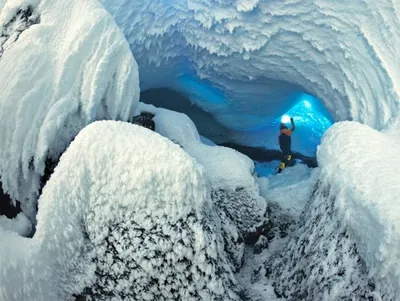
128,215
63,65
347,245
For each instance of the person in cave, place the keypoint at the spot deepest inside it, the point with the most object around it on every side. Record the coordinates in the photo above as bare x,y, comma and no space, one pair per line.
285,141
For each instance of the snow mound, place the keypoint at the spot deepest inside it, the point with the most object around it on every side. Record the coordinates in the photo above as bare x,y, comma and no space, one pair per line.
71,68
226,168
320,262
348,241
126,215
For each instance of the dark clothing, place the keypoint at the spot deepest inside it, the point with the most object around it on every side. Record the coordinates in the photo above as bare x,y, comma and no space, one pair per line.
285,143
285,139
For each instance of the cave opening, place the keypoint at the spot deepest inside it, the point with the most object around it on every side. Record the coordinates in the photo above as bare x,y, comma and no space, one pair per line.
258,140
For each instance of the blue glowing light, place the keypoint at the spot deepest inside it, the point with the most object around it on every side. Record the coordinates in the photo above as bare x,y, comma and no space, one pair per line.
311,119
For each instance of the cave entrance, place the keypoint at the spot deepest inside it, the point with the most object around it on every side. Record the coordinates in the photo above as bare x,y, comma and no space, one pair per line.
311,118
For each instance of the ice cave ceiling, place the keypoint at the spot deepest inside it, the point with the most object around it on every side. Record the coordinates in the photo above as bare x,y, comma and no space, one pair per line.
248,62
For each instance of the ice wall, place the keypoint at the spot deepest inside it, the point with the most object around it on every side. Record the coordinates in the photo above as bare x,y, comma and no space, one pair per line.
244,60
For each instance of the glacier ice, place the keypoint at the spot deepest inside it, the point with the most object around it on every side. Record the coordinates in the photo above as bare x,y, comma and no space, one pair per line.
56,77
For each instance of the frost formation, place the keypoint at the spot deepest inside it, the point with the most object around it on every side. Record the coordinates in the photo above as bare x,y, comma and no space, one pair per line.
118,220
56,77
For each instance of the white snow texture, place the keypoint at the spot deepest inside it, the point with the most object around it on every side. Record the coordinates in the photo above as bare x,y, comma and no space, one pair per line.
20,224
71,67
126,215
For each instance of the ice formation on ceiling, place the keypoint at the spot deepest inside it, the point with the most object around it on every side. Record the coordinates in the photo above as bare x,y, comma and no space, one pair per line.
246,61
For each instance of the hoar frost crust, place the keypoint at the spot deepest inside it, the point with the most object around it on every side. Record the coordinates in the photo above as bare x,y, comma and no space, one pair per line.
243,207
162,260
127,215
321,261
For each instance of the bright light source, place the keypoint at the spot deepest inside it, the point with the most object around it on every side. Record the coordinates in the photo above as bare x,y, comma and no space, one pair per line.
285,119
307,104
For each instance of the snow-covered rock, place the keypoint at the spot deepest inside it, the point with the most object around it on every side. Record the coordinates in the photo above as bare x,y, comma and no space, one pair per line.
63,64
127,214
260,245
348,241
246,208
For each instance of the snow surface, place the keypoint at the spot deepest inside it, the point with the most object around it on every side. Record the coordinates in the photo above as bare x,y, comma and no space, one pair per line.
292,188
70,69
247,61
121,189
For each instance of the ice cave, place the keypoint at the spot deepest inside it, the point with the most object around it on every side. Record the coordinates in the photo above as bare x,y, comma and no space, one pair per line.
200,150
